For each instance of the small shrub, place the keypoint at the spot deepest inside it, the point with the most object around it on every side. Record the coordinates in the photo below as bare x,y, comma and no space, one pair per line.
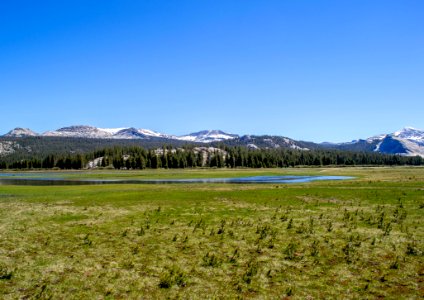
233,258
141,231
330,226
301,229
289,291
199,224
290,251
165,281
399,215
86,240
269,273
271,243
411,249
221,229
387,228
381,221
290,224
185,240
5,273
346,215
127,263
395,264
263,231
349,252
314,248
252,270
311,226
171,277
211,260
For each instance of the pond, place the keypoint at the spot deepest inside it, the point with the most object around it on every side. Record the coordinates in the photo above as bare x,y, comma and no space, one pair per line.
22,179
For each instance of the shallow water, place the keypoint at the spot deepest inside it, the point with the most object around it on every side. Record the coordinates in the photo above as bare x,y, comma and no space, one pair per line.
38,179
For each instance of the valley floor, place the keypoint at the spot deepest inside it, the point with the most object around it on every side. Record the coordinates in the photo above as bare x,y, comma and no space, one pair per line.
359,238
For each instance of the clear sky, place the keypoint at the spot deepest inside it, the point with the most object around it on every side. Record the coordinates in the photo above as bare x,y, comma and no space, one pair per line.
311,70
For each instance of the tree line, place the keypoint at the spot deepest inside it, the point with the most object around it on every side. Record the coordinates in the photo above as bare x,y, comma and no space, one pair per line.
136,157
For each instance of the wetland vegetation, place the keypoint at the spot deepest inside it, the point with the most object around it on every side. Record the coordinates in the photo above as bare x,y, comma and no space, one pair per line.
357,238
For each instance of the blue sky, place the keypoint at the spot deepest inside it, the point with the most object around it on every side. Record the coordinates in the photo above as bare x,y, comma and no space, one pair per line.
311,70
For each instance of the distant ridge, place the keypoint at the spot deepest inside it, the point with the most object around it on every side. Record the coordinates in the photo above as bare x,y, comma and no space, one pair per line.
408,141
87,131
20,132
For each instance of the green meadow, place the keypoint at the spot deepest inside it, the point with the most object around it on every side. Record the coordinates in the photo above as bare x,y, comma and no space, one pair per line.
351,239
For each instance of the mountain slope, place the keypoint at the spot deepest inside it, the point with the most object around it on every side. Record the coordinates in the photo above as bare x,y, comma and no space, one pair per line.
407,141
81,131
84,131
270,142
207,136
20,132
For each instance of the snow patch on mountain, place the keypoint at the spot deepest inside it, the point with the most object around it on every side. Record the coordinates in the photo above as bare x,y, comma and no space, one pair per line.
148,132
410,133
376,138
377,147
21,132
408,141
129,133
112,131
207,136
82,131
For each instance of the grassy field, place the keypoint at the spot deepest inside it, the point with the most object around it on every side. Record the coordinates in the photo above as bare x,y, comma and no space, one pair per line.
360,238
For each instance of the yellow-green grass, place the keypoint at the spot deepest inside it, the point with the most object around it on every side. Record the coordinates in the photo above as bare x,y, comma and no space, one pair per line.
360,238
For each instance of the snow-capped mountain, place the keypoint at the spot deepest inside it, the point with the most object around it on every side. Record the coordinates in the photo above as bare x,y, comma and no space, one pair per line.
407,141
20,132
129,133
207,136
84,131
81,131
410,133
134,133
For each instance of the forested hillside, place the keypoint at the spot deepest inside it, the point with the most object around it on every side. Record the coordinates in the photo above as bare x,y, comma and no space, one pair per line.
136,157
27,148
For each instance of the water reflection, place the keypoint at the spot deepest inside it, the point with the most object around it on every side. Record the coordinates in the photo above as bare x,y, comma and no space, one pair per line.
46,181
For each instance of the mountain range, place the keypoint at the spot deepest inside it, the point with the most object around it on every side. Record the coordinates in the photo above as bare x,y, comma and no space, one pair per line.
84,131
407,141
